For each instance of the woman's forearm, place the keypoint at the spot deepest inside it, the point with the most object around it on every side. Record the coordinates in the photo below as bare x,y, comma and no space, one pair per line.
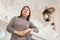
28,30
20,33
15,32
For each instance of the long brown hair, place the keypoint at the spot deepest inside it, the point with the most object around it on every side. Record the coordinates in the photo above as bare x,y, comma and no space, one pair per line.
28,17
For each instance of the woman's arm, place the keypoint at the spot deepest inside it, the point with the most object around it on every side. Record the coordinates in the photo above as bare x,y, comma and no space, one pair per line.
10,26
33,27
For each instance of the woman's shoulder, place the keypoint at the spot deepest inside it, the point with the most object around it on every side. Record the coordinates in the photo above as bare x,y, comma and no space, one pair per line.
14,17
30,22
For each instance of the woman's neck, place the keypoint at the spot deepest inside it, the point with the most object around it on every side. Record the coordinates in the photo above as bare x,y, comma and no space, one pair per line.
25,16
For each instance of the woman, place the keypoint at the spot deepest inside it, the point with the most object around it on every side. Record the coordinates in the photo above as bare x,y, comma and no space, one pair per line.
20,26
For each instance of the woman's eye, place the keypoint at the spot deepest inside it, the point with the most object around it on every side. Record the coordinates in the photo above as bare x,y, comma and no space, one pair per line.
24,9
27,9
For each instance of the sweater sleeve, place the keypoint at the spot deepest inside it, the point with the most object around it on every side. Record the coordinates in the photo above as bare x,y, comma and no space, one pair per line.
10,25
34,27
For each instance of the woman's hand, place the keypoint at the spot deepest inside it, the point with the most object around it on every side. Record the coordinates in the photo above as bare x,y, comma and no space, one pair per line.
20,33
31,30
23,33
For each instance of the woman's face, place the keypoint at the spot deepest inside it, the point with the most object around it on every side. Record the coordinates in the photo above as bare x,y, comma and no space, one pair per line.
25,11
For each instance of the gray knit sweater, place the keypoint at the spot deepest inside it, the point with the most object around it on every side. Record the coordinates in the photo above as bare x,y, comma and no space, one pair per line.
20,24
